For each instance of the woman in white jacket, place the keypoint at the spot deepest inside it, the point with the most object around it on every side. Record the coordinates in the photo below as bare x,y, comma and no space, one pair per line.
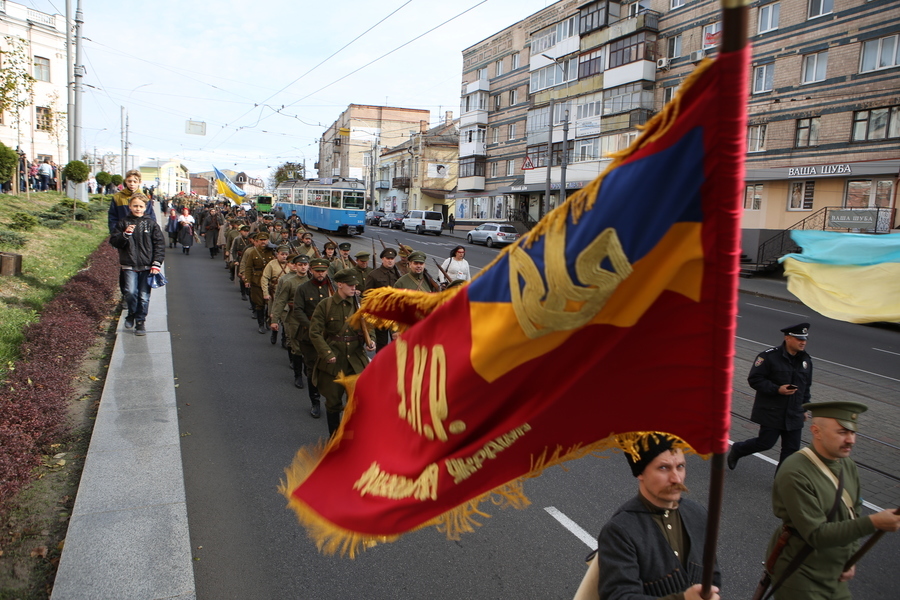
456,266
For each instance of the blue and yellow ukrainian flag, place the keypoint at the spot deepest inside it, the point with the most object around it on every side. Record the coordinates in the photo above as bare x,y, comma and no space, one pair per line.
613,317
851,277
227,188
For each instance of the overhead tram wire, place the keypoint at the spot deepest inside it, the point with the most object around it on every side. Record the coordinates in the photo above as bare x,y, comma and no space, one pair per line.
364,66
333,54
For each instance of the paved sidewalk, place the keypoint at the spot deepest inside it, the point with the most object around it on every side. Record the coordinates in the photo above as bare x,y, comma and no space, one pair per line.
128,536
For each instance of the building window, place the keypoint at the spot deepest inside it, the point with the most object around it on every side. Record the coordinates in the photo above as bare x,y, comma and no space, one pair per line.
41,68
476,101
510,168
711,35
498,102
807,132
589,106
558,152
481,73
676,4
628,97
801,197
876,124
593,16
882,53
550,36
537,155
494,168
868,193
513,97
43,118
514,62
498,68
814,67
669,93
495,135
472,166
753,196
511,132
817,8
590,63
756,138
763,76
587,149
554,74
640,46
673,46
767,17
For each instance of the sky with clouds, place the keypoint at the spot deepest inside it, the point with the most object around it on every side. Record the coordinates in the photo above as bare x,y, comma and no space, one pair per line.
267,77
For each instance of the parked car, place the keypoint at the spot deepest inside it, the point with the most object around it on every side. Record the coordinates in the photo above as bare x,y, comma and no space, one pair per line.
424,221
374,216
490,234
392,220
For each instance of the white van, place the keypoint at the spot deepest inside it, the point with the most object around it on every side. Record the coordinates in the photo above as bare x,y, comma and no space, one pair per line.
422,221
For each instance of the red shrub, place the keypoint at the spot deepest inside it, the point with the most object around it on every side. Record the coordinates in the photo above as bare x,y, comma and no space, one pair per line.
33,398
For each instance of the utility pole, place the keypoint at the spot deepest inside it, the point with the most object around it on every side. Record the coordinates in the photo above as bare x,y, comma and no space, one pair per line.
70,83
78,190
545,205
122,121
565,157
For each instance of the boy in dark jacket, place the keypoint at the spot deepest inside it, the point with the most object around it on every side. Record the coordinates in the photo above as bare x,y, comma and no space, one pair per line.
142,250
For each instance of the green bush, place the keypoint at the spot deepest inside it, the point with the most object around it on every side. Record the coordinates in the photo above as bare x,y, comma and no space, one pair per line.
116,179
82,215
76,171
13,239
53,223
22,221
103,178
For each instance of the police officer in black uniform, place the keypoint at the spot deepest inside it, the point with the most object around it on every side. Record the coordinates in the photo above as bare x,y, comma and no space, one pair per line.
781,377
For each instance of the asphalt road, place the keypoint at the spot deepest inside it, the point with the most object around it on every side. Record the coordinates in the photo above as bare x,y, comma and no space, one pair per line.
242,421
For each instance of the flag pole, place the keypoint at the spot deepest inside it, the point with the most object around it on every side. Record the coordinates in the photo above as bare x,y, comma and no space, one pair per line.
734,38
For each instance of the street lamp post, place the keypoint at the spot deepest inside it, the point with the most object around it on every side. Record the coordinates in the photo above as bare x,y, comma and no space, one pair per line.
565,143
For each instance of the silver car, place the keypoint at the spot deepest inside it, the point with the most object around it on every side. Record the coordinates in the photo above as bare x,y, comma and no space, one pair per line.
491,234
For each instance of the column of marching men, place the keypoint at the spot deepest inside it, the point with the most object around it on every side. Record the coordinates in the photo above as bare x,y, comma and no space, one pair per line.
303,296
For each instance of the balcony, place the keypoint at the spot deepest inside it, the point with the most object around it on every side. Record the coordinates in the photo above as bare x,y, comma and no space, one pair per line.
474,117
470,184
479,85
472,149
400,183
382,184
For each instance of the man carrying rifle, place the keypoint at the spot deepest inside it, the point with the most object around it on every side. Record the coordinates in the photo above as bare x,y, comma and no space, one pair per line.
817,496
308,295
384,276
418,278
362,269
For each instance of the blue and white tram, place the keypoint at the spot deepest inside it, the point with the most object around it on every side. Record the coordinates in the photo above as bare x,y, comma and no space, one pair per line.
335,205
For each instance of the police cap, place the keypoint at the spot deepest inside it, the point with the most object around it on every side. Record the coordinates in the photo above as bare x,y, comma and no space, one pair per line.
799,331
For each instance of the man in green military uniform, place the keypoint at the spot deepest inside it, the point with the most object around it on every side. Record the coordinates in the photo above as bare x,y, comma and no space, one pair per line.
283,308
803,495
275,270
418,278
253,263
342,260
233,232
308,295
239,245
340,347
384,276
362,268
306,246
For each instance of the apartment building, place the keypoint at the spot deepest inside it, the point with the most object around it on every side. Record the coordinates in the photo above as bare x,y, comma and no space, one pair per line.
824,108
349,146
39,128
420,172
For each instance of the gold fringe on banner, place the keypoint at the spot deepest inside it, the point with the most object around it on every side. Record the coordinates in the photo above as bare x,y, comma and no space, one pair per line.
411,305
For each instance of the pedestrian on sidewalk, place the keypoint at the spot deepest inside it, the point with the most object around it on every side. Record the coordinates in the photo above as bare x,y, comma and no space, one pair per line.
451,223
142,250
781,377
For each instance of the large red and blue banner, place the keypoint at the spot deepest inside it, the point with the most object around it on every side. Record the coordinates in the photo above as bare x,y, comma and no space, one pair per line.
615,316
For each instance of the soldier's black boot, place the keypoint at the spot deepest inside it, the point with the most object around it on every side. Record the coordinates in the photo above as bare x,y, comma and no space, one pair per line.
315,410
260,319
298,374
274,337
334,421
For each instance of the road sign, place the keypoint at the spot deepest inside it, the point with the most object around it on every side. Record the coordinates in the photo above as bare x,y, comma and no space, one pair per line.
527,165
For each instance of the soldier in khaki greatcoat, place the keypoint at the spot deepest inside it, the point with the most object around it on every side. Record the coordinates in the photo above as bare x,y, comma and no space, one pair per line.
418,278
384,276
308,295
283,310
253,263
342,260
275,270
362,268
341,348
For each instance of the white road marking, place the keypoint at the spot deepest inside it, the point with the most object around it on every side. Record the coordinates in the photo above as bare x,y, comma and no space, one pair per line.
778,310
771,461
573,527
831,362
888,351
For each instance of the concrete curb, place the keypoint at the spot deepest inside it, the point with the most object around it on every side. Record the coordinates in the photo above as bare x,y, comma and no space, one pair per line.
128,536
